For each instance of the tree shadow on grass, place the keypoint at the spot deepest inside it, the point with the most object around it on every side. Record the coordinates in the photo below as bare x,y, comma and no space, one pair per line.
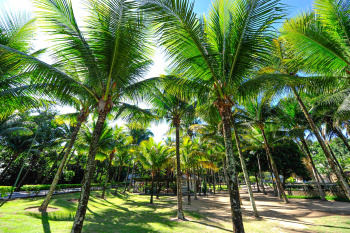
45,222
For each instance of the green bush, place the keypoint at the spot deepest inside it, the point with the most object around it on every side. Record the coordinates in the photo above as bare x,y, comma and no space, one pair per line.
252,179
4,190
290,180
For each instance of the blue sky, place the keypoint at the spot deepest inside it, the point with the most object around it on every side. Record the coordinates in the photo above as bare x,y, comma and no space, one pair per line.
202,6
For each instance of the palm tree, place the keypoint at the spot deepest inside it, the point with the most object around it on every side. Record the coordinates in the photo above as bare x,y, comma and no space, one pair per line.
281,76
105,60
139,133
80,118
154,157
258,113
291,117
170,107
216,54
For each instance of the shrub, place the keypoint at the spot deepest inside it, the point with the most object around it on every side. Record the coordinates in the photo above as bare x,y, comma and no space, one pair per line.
4,190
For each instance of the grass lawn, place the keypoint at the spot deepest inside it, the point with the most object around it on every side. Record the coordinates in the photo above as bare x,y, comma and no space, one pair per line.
133,214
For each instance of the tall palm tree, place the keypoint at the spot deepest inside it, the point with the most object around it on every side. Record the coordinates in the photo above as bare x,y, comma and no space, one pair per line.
281,76
154,157
258,113
291,117
216,54
139,132
170,107
105,59
81,117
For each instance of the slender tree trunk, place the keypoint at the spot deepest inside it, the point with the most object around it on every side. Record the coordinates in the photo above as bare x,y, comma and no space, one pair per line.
118,180
321,178
213,174
342,137
257,182
188,189
275,192
132,175
219,181
25,176
54,164
225,111
200,182
195,184
331,162
274,169
244,168
205,183
69,159
151,202
126,181
158,185
225,173
261,178
104,109
7,167
335,159
314,170
180,212
106,179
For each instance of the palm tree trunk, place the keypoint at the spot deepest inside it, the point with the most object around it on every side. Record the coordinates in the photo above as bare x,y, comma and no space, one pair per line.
244,168
314,170
106,180
126,181
118,180
70,157
7,167
158,185
225,173
200,182
335,158
151,202
272,175
274,169
213,174
54,164
54,183
331,162
188,189
195,184
104,109
257,182
180,212
236,211
132,175
342,137
261,178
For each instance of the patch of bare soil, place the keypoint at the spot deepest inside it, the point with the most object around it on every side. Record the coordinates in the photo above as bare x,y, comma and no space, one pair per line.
35,209
180,220
74,200
296,215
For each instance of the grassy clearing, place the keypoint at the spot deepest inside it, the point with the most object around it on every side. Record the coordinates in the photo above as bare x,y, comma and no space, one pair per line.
132,214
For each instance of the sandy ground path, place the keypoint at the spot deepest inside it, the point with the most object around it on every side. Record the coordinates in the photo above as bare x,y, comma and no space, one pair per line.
295,216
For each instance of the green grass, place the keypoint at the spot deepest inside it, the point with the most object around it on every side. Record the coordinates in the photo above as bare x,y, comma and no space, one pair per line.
329,198
131,214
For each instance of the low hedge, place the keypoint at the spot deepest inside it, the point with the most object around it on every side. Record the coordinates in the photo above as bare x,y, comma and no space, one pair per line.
329,198
4,190
35,188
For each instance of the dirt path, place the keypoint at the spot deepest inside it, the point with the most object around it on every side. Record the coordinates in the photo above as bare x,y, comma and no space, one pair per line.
299,214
